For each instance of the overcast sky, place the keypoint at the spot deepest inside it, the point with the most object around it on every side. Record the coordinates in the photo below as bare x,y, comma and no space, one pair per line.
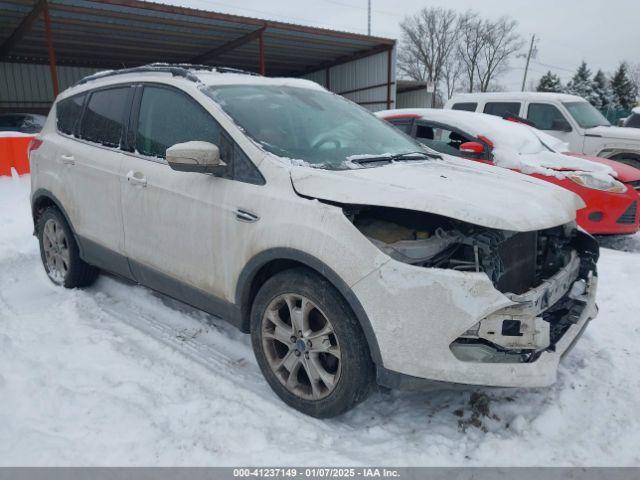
601,32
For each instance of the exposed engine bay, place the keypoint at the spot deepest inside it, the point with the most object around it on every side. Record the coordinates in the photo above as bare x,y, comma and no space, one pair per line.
545,273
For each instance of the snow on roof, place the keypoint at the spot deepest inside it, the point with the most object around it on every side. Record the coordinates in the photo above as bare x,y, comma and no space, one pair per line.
225,78
516,145
636,110
516,96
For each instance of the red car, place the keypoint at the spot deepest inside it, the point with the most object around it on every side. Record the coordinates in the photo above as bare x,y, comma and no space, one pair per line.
610,190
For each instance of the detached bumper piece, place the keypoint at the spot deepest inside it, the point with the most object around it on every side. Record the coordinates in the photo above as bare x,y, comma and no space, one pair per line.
536,321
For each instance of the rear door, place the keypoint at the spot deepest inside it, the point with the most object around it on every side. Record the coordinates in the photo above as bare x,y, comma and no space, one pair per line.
93,164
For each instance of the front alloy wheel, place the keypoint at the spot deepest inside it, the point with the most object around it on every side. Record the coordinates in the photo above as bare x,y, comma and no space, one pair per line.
301,346
56,250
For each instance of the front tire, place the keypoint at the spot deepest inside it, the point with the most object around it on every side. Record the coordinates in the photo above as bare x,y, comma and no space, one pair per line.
59,252
309,345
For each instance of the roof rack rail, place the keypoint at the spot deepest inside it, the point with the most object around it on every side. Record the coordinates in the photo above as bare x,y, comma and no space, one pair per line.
183,70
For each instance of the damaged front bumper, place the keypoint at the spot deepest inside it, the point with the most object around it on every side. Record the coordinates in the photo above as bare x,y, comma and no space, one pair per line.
444,326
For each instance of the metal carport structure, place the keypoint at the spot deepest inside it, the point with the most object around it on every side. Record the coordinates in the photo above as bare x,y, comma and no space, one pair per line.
46,45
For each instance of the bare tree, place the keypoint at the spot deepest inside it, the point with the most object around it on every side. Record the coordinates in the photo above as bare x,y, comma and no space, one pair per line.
501,43
428,39
634,73
470,46
452,71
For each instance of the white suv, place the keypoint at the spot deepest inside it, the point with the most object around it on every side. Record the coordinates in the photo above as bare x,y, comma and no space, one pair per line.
567,117
350,253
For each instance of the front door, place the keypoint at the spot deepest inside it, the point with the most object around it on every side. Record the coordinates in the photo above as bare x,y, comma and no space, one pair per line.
176,223
547,117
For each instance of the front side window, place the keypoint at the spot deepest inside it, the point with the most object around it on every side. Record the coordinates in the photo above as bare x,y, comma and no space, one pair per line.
315,126
68,113
103,119
441,139
168,117
633,121
545,116
502,109
586,114
403,124
465,106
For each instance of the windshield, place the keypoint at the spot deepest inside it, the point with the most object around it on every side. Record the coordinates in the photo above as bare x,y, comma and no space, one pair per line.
318,127
586,114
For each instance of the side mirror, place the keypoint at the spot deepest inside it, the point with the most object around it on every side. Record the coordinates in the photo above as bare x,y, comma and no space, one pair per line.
472,148
561,125
196,156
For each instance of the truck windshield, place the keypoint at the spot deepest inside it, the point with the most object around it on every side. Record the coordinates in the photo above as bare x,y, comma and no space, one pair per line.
315,126
586,114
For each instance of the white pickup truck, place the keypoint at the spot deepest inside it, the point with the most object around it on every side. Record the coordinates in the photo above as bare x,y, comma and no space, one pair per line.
567,117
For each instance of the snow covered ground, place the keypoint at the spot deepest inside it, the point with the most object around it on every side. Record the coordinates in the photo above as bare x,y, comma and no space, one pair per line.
118,375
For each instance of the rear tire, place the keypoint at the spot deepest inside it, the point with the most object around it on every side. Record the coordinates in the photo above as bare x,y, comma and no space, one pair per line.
59,252
309,345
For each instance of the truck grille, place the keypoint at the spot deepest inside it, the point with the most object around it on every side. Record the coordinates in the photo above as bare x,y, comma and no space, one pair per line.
629,216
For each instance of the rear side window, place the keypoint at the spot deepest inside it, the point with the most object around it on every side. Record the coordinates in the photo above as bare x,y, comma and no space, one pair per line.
103,118
68,113
502,109
544,115
168,117
465,106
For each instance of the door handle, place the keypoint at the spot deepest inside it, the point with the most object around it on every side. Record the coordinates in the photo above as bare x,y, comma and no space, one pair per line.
137,178
245,216
68,159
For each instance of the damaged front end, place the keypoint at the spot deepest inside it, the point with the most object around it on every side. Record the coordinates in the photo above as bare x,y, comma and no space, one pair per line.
547,275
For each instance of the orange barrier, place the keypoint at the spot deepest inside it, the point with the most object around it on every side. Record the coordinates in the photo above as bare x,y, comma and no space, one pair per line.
14,152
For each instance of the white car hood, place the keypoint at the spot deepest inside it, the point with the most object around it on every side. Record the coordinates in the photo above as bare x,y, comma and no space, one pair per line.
471,192
619,133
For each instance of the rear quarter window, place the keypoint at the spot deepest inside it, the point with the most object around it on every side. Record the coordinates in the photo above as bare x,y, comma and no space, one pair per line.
103,118
501,109
465,106
68,113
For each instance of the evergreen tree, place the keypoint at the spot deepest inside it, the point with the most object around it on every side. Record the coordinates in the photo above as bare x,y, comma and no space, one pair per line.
624,90
581,84
549,83
604,97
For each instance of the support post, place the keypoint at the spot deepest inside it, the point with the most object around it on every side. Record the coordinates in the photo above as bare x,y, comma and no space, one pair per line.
389,60
52,53
263,69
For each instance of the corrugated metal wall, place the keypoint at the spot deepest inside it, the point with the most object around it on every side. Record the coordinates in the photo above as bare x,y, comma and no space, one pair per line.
28,87
364,80
414,99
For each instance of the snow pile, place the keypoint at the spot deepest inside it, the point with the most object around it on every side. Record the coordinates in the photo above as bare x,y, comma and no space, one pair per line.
116,375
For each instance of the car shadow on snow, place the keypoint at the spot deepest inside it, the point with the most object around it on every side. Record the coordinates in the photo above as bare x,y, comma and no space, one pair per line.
623,243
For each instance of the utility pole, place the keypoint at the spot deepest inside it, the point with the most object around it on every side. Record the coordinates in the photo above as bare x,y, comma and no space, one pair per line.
529,55
369,18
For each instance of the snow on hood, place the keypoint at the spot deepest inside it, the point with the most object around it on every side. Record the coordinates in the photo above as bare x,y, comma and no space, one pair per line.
618,133
516,146
16,134
455,188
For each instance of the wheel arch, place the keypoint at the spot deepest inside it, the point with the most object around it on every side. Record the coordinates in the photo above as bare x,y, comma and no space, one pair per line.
42,199
270,262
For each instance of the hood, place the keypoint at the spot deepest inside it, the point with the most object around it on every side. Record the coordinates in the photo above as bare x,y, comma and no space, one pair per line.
618,133
624,173
470,192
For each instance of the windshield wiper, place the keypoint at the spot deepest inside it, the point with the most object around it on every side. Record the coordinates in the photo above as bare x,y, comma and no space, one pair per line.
404,157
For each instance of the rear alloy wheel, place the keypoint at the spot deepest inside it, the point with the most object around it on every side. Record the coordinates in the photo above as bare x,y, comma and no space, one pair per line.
56,250
309,344
59,251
